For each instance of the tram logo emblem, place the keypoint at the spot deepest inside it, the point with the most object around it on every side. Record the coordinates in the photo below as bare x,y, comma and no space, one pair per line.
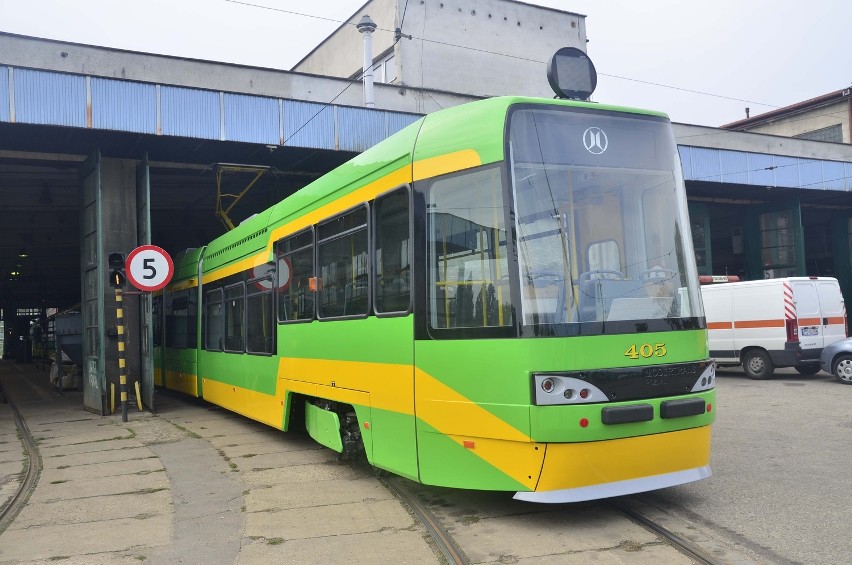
595,140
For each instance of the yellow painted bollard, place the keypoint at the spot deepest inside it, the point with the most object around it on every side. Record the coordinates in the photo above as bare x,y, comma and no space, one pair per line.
122,365
138,396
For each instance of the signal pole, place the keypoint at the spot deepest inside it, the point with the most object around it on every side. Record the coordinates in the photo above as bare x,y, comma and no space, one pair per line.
122,365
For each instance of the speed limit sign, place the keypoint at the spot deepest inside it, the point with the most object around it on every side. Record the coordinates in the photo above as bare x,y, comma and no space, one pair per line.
149,268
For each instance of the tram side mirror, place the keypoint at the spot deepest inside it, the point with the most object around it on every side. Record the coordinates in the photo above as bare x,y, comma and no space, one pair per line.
572,74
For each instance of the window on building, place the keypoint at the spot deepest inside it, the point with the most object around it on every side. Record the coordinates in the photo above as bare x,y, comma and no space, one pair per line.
384,70
778,244
834,134
343,265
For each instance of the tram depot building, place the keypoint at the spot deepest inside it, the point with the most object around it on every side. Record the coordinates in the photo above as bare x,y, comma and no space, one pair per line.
102,150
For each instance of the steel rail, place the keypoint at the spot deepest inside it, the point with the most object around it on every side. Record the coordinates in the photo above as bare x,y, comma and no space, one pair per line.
442,539
16,503
686,547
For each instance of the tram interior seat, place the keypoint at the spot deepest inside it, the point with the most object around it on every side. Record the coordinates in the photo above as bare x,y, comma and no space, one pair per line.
355,298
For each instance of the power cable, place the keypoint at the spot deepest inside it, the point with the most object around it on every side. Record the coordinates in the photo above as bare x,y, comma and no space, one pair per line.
448,44
398,35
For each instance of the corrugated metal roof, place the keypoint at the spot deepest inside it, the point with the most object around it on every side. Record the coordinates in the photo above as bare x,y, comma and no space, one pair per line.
49,98
358,130
124,106
52,98
307,124
760,169
5,103
189,112
251,118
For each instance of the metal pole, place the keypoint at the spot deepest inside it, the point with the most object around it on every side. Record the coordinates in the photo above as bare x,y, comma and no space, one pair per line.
58,361
367,26
122,365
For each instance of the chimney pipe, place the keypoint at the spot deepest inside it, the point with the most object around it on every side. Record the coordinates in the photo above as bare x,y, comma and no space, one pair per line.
747,116
367,26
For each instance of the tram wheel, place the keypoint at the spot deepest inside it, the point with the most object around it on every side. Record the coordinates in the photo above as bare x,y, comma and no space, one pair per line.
808,368
757,364
843,369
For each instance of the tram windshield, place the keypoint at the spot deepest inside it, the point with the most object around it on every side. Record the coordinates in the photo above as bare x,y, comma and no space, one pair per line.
602,232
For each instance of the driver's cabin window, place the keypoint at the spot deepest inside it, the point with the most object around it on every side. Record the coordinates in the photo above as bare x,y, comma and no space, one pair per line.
604,256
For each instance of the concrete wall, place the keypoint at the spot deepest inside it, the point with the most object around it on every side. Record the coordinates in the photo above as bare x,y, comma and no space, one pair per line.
812,120
476,47
43,54
714,138
341,54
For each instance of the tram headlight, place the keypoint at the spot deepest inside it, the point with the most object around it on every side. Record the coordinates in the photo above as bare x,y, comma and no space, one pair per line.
707,379
557,389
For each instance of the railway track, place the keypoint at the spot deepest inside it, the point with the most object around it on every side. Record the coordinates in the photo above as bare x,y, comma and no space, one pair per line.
33,468
453,554
442,539
688,548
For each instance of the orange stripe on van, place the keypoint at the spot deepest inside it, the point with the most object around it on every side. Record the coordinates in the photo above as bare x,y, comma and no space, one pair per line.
836,320
759,324
719,325
809,321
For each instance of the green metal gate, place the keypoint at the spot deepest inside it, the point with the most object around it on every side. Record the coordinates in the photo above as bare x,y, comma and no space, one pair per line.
92,287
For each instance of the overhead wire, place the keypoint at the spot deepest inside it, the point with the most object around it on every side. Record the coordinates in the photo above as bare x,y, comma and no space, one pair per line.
448,44
510,56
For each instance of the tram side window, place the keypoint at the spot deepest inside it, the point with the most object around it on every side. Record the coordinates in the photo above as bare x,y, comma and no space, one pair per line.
215,316
468,264
343,265
234,317
181,320
156,320
295,269
393,259
260,336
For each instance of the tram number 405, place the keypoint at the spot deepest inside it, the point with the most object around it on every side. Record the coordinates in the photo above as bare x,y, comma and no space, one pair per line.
646,350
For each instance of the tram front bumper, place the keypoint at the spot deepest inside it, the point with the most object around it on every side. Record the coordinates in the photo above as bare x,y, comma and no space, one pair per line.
574,472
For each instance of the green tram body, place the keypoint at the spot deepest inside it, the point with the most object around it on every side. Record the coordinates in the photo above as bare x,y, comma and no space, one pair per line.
387,306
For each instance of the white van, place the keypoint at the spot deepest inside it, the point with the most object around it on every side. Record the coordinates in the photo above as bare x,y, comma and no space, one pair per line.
773,323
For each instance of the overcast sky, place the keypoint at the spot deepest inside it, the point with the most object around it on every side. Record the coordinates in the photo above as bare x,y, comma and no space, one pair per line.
701,61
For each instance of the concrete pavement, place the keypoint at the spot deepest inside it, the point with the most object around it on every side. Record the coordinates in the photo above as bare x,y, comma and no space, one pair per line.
192,484
197,484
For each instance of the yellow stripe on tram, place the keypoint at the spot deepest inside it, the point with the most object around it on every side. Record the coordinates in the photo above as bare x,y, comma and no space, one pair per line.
422,169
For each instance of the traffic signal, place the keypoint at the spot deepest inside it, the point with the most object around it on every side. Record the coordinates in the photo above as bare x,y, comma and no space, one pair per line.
116,270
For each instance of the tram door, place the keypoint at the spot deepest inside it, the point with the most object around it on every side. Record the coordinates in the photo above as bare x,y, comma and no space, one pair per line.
92,291
143,237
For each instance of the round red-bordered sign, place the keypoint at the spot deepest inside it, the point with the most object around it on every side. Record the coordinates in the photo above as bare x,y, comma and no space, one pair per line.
285,268
149,268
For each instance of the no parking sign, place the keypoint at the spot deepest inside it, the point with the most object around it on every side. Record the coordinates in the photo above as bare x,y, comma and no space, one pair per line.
149,268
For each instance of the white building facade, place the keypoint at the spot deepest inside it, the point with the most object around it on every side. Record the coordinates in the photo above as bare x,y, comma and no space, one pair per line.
475,47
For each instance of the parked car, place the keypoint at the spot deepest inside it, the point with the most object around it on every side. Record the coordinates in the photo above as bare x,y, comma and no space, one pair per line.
771,323
837,360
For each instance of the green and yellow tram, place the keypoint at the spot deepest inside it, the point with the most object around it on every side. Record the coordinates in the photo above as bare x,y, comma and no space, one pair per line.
501,296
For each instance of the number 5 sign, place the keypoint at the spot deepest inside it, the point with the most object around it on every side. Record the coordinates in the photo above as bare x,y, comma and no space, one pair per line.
149,268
